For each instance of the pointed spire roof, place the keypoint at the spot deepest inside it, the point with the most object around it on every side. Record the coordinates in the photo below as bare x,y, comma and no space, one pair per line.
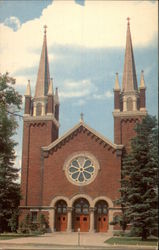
28,89
56,97
116,87
142,81
129,75
43,78
50,91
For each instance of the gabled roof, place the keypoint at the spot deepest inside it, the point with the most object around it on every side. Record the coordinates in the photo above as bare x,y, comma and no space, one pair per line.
83,125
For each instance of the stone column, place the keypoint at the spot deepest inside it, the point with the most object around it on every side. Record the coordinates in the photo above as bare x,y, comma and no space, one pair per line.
91,210
52,219
43,109
110,219
34,109
124,104
69,219
134,104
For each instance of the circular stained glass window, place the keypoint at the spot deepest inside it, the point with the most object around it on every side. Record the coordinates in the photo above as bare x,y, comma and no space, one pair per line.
81,169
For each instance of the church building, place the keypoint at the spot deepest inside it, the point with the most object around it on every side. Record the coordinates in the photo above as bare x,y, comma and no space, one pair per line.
75,178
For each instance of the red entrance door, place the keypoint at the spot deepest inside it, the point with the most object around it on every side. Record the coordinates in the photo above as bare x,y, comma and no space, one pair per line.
81,215
61,222
101,216
102,223
82,222
61,216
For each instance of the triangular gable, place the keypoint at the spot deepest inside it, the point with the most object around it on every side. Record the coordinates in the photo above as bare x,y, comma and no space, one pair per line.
76,129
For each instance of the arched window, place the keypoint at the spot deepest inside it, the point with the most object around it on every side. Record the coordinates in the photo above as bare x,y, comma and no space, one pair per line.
81,206
101,207
38,109
129,104
61,207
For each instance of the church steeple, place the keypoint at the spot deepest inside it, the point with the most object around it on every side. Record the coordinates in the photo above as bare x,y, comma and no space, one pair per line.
130,101
43,78
129,75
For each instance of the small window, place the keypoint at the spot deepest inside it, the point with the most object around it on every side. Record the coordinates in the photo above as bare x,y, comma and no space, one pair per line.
129,104
38,109
85,219
77,218
34,216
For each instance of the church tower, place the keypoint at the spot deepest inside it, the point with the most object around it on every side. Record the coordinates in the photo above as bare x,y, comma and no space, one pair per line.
41,127
130,101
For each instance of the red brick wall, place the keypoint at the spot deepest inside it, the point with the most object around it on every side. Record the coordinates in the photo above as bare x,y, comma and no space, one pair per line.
106,183
116,99
142,98
127,132
35,136
117,130
124,130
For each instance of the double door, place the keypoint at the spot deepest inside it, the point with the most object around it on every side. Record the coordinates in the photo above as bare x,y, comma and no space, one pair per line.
61,222
81,222
102,223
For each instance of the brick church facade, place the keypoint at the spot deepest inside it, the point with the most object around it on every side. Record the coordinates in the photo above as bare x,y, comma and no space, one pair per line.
74,179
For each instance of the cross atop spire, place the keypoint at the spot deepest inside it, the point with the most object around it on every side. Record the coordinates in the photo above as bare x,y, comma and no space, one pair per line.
45,29
81,117
128,19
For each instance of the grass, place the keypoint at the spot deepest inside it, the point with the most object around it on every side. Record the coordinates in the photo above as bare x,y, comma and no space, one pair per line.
131,241
8,236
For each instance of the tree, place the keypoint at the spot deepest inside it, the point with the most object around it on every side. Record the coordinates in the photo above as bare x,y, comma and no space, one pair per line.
10,102
139,179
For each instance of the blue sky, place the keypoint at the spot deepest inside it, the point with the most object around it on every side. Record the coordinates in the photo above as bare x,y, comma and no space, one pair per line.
86,45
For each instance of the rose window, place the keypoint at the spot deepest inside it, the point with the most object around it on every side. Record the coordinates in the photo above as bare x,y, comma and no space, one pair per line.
81,170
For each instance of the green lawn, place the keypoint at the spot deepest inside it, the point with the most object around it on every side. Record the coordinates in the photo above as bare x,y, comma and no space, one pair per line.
131,241
13,236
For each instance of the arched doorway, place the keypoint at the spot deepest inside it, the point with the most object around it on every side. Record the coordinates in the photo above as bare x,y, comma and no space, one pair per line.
101,216
81,215
61,216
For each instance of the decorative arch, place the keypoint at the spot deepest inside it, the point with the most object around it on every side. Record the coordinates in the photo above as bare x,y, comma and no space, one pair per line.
58,198
78,196
108,200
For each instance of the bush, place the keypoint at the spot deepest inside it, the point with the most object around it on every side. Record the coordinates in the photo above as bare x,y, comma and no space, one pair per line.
28,226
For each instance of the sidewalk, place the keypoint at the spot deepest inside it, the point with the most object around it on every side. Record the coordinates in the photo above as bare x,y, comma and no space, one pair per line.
59,239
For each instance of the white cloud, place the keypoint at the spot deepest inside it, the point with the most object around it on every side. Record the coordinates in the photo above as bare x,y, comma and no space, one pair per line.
79,102
12,22
97,24
107,94
76,89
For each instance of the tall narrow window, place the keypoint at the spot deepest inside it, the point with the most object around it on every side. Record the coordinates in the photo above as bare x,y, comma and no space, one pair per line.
38,109
129,104
34,216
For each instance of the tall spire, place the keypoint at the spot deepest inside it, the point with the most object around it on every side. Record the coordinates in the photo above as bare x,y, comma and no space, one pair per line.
117,87
142,81
129,75
28,90
43,78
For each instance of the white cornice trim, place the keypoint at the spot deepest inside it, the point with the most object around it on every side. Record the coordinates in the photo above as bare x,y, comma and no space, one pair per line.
130,113
53,144
47,117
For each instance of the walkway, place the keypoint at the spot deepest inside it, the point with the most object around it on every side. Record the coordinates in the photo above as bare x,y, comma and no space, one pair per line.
59,239
69,241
